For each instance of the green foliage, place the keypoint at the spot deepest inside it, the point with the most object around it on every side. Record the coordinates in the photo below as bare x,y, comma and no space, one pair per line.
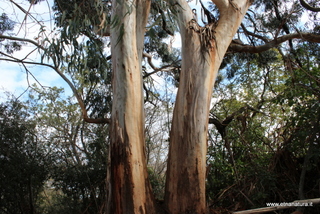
79,52
24,160
268,145
268,101
80,152
7,25
53,163
157,182
301,93
81,17
158,33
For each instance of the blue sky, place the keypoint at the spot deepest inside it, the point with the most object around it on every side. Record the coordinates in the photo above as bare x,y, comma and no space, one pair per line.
13,76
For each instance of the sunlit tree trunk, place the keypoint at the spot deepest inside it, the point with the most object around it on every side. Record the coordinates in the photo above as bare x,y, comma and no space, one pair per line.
201,58
130,189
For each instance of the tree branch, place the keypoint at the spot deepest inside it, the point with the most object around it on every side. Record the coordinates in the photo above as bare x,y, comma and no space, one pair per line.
22,40
309,7
25,12
221,126
164,23
102,31
156,69
55,68
221,4
80,101
246,31
183,11
258,49
74,90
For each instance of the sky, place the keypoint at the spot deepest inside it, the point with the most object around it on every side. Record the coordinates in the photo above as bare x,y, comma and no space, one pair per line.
13,76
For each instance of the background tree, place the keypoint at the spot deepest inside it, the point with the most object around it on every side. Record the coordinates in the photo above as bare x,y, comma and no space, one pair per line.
24,160
282,168
79,151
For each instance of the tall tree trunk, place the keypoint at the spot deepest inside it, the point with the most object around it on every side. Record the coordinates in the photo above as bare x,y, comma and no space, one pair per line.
202,54
130,188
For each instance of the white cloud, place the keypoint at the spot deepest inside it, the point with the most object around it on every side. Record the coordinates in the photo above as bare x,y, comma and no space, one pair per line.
10,78
13,76
15,80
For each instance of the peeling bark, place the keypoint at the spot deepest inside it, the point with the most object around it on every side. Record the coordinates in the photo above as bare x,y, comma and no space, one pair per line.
185,184
130,188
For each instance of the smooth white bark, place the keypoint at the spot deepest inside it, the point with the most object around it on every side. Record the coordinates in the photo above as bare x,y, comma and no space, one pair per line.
131,192
185,184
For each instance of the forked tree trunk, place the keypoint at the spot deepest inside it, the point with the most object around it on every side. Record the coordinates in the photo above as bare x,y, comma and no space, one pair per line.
130,188
201,58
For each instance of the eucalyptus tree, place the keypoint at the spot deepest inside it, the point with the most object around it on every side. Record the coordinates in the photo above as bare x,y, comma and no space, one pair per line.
204,45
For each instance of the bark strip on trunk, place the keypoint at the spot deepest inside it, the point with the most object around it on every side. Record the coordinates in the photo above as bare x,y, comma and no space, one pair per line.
202,53
130,188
